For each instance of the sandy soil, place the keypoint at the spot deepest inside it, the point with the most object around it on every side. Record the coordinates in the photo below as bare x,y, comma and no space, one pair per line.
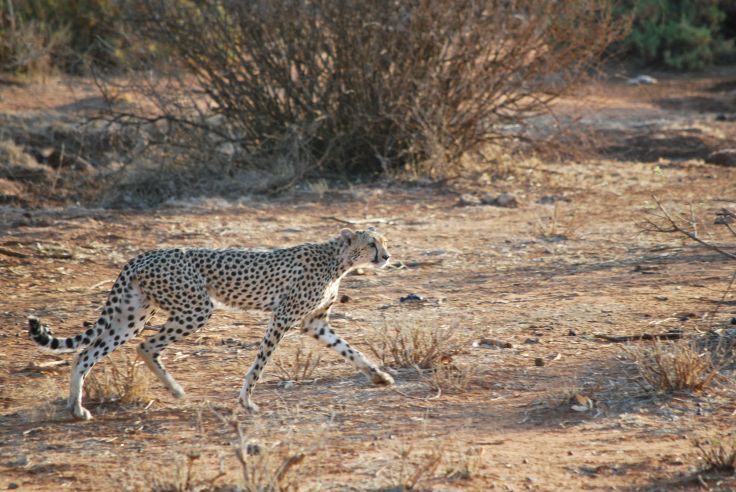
571,262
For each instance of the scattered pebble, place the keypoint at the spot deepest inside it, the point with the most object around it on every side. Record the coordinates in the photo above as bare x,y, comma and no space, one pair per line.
413,298
344,298
642,80
733,321
490,342
505,199
12,486
549,199
531,341
723,157
571,333
539,362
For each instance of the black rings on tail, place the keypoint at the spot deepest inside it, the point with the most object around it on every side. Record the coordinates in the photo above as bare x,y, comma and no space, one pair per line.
42,336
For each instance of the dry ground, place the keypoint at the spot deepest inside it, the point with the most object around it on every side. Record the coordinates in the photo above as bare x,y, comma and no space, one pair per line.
546,277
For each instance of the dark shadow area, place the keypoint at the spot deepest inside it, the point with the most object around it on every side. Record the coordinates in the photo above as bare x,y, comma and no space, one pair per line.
699,104
652,146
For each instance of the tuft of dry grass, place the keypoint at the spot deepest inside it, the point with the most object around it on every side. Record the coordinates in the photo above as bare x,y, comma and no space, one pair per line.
717,455
467,466
452,378
300,367
669,366
185,479
122,378
411,471
417,346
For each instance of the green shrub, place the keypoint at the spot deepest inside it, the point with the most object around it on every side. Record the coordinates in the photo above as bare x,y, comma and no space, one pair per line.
680,34
36,35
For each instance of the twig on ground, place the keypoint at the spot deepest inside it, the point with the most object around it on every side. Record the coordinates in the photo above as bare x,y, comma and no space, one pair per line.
671,335
673,227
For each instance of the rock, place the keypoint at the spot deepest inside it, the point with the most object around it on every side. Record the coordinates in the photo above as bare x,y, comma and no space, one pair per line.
507,200
344,298
641,80
531,341
12,486
571,333
733,321
412,298
490,342
549,199
468,200
539,362
723,157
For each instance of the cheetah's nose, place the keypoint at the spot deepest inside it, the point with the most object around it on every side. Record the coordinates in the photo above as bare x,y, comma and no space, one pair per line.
385,256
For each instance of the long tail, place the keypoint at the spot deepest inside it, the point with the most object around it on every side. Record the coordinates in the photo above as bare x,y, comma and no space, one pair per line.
42,336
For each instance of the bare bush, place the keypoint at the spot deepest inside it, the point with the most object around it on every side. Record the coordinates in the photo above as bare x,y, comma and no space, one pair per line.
355,87
674,367
415,346
687,225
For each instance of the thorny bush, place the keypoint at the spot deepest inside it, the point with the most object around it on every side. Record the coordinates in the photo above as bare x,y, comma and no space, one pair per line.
357,88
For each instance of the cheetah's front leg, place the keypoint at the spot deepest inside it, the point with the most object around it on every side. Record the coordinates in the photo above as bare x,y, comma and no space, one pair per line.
322,331
277,328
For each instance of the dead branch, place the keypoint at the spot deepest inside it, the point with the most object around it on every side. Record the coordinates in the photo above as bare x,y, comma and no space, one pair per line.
671,335
672,226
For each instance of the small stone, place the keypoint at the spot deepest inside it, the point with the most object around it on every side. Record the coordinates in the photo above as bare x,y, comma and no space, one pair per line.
12,486
571,333
344,298
539,362
723,157
531,341
412,298
642,80
468,200
733,321
507,200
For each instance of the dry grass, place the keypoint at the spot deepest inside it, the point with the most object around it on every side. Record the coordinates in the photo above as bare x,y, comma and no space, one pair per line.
465,467
718,455
300,367
121,377
669,366
415,346
452,378
186,479
410,470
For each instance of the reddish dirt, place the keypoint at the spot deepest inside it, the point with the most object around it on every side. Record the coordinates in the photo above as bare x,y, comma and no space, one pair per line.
546,277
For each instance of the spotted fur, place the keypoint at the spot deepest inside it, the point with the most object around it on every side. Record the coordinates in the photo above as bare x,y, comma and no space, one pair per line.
298,284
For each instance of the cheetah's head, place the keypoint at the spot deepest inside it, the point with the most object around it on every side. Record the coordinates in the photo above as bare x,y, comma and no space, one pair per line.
365,248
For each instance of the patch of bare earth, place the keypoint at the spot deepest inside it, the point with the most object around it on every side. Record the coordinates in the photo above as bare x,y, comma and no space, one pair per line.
568,264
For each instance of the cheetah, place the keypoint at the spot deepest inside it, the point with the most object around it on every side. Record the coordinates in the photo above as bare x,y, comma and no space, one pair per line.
298,285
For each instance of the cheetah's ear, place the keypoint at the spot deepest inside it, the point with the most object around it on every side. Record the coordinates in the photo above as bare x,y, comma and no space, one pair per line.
347,234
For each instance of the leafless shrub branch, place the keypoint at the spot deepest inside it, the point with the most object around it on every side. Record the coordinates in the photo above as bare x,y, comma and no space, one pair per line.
668,223
369,87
